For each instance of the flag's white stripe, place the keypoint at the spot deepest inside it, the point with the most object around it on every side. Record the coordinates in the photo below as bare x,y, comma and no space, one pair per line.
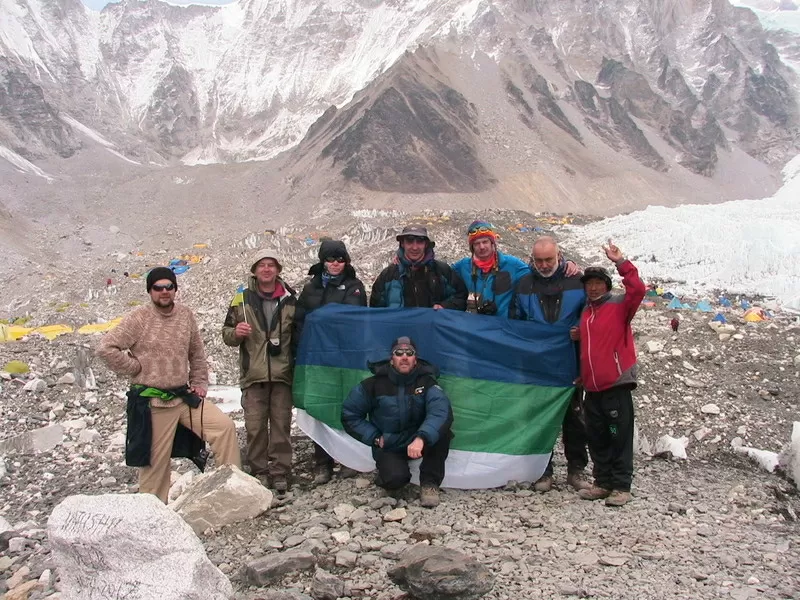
464,469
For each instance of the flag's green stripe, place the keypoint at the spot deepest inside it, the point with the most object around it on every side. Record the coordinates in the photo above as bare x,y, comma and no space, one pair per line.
501,418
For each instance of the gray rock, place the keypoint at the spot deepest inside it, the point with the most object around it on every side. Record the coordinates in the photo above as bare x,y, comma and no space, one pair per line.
346,558
710,409
66,379
436,573
89,436
269,568
327,586
35,385
221,497
283,595
116,546
43,439
789,459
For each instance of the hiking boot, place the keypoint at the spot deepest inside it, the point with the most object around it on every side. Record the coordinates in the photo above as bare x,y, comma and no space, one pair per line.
322,475
618,498
429,496
280,485
347,472
263,479
594,493
578,480
544,484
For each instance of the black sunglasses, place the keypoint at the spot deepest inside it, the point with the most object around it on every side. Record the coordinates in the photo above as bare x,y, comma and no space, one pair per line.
167,287
404,352
335,259
416,238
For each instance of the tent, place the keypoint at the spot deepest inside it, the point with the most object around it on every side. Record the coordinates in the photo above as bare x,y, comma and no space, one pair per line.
99,327
724,302
754,315
744,304
675,304
667,295
51,332
720,318
704,306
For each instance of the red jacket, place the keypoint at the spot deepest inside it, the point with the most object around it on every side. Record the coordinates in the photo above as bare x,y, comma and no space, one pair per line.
608,354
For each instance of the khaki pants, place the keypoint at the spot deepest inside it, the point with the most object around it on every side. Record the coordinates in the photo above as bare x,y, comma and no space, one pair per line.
268,421
217,429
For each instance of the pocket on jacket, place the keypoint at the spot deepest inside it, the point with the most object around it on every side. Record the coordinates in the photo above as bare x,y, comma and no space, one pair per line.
502,282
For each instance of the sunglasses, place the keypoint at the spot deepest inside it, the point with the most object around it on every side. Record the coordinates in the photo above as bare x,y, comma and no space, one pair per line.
335,259
415,238
404,352
167,287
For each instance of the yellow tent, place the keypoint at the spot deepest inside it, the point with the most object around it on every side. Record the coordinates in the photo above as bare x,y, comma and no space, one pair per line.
754,315
99,327
51,332
16,331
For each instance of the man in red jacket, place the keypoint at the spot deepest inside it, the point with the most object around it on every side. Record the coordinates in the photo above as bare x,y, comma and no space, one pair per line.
608,374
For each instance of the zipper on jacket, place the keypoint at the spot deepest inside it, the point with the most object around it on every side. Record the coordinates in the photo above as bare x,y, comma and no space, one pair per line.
589,344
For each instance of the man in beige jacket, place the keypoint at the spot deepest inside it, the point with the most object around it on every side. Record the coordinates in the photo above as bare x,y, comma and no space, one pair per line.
260,322
159,347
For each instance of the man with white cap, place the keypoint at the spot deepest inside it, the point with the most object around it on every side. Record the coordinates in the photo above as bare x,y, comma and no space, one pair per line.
260,322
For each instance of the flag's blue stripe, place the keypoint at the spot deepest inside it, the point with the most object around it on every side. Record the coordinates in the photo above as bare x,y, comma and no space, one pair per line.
460,344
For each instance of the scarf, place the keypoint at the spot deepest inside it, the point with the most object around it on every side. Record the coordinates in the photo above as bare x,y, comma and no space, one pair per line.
328,279
485,265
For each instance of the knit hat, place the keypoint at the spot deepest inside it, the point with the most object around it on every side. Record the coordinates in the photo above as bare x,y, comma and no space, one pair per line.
261,255
597,273
480,229
333,248
159,273
402,342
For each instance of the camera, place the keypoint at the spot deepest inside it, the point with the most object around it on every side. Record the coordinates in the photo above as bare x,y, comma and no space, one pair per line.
487,308
274,346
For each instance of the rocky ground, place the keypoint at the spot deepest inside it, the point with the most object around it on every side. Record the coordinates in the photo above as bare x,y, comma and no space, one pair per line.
712,525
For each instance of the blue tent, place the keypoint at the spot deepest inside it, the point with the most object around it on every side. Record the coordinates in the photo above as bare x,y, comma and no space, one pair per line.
675,303
667,295
704,306
719,317
744,304
724,302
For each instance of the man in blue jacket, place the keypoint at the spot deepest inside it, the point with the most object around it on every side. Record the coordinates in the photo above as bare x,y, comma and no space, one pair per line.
490,275
551,296
402,413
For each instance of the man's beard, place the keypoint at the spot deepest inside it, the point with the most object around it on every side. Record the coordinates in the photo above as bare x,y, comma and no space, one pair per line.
159,303
548,273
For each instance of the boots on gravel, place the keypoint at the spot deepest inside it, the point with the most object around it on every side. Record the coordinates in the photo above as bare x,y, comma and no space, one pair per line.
543,484
618,498
429,496
578,480
594,493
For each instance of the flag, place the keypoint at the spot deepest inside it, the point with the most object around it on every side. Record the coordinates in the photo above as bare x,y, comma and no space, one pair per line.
509,383
238,299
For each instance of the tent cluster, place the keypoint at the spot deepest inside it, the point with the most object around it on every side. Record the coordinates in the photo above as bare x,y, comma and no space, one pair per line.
752,314
12,333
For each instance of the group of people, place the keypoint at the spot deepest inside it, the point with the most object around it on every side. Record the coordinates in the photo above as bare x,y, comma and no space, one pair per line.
400,412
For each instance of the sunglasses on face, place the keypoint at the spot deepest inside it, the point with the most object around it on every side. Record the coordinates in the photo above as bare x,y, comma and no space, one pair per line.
415,238
404,352
335,259
167,287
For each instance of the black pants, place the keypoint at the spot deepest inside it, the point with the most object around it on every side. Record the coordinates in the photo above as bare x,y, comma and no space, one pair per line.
322,458
573,433
393,472
609,424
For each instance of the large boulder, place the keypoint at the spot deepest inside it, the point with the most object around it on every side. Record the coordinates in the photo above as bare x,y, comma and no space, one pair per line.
125,546
789,459
437,573
222,497
38,440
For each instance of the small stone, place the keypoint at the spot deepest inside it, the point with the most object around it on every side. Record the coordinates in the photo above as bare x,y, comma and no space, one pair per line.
701,433
397,514
35,385
345,558
724,337
654,346
613,561
342,511
362,483
341,537
66,379
738,336
710,409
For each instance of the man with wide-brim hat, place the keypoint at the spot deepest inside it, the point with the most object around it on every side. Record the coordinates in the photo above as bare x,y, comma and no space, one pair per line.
260,322
416,278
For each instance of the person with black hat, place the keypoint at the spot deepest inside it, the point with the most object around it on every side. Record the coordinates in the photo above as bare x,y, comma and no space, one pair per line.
159,347
402,414
416,278
260,322
608,373
333,281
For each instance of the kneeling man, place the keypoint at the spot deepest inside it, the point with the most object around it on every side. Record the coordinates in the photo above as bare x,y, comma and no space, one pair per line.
402,413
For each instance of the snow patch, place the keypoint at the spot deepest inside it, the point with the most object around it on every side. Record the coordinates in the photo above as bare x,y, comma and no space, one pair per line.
21,164
743,246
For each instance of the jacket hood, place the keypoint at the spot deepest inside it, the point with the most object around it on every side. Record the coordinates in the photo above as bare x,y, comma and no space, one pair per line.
383,368
330,248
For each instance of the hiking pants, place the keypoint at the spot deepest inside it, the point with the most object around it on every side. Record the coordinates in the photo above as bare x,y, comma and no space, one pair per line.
322,458
609,424
393,471
268,422
213,426
573,434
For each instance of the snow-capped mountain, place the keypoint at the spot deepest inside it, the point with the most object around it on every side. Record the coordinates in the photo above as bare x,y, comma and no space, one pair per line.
210,84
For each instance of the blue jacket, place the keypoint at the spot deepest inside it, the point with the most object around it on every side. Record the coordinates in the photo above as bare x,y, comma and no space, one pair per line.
398,407
555,300
497,286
